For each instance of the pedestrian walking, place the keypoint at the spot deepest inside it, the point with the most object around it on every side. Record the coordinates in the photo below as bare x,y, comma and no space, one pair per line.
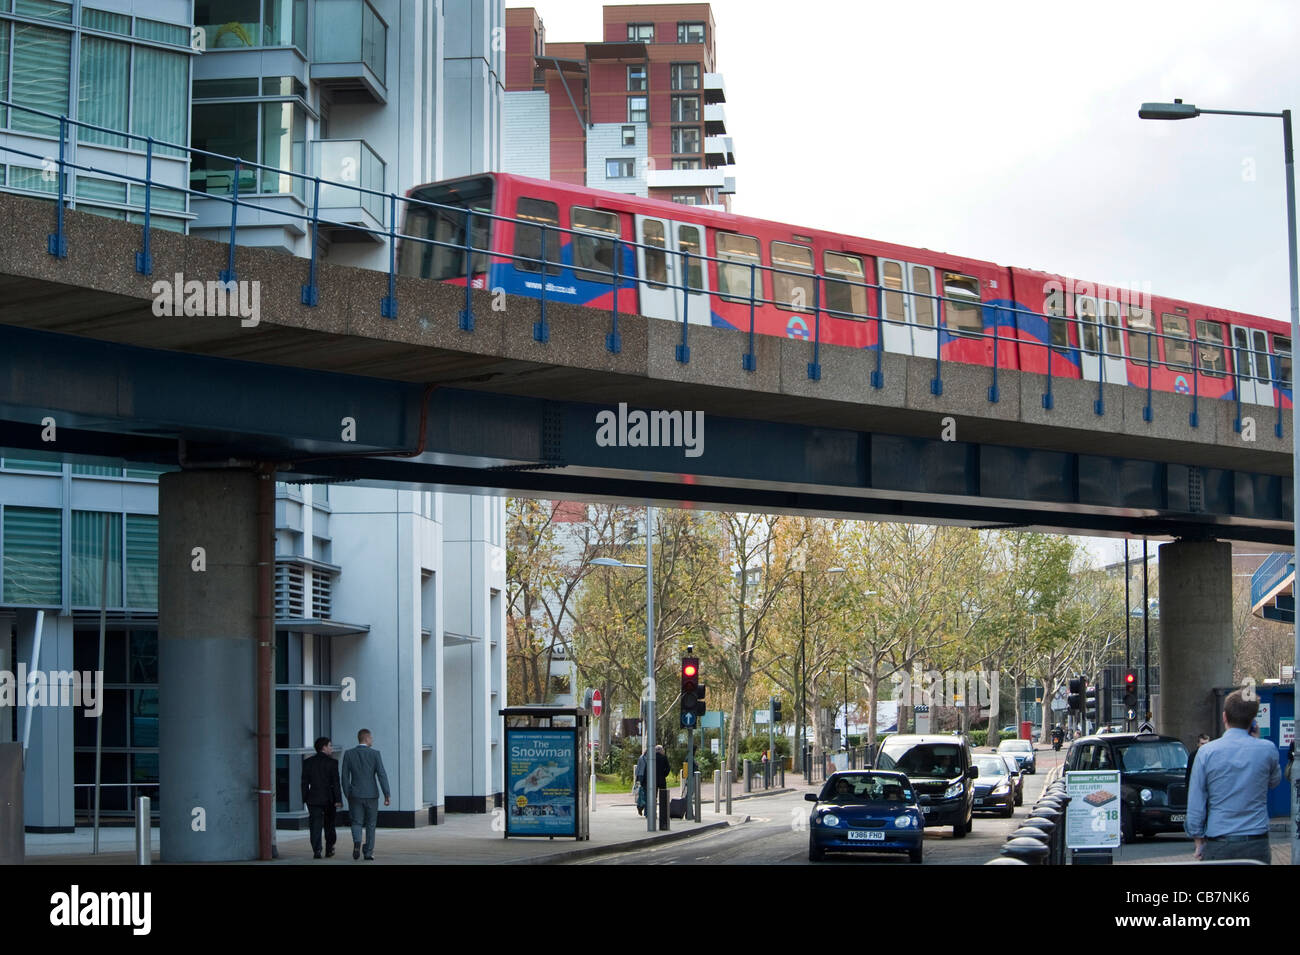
362,766
640,784
1227,799
322,795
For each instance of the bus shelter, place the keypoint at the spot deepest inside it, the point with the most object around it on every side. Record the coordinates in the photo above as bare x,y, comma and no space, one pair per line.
546,772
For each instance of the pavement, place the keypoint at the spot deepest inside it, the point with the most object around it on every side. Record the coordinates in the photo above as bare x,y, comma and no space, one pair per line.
464,838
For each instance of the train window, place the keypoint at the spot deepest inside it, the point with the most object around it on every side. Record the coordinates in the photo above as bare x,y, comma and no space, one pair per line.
688,240
1140,327
848,297
1110,319
529,238
922,290
891,279
593,255
1282,349
792,292
1085,307
1057,324
1209,345
1178,351
1261,355
961,304
656,260
734,280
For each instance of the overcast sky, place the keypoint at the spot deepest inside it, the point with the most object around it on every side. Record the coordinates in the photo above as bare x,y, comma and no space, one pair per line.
1008,131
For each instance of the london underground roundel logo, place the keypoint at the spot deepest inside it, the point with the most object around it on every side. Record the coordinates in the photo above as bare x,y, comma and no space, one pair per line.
1181,386
796,328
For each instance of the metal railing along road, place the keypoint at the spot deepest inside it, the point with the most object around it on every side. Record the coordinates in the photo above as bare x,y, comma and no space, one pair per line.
937,306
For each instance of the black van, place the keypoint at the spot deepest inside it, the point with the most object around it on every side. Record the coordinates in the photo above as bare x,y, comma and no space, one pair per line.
940,771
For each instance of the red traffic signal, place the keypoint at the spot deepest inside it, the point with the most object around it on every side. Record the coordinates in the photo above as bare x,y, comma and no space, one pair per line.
689,670
1130,678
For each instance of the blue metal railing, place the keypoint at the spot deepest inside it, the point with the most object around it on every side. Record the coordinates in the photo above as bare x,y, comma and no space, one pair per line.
546,265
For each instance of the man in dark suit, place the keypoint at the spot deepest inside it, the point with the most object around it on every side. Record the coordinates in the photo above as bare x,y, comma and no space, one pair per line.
362,765
321,793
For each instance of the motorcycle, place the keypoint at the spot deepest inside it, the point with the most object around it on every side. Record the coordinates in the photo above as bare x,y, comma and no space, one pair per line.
1056,742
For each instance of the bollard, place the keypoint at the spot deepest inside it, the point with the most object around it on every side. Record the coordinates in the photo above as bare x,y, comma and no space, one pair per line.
663,810
143,832
749,775
1029,851
1005,860
695,794
783,774
717,790
727,777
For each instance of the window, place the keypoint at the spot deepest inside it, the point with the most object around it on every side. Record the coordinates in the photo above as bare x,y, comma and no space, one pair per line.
1110,315
1209,337
792,292
533,242
847,298
270,133
33,545
1261,355
922,292
684,76
686,139
103,89
961,306
230,24
685,109
686,164
142,561
641,32
1057,324
636,109
1085,307
593,255
656,260
1178,350
690,33
1140,327
40,67
86,556
734,280
688,240
891,280
1282,349
629,135
620,168
686,198
636,78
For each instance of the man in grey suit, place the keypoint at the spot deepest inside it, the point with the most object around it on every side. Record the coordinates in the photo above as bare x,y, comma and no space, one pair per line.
362,765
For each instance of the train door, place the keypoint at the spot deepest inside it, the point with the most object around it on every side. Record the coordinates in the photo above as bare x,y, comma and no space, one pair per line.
908,291
1250,359
1102,333
667,246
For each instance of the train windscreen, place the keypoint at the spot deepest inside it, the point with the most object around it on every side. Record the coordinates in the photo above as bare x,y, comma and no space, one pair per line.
433,242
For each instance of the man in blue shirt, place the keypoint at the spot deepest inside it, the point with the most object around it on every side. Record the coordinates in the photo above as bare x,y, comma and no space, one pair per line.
1227,798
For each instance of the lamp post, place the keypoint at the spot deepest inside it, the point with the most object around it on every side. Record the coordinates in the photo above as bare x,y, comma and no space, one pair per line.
1180,110
648,730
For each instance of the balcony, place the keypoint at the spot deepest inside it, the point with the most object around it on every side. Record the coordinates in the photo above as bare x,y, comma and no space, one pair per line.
341,163
350,57
718,151
715,120
728,186
715,91
685,179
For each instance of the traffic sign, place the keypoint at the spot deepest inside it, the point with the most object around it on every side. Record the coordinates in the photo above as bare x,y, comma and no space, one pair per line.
595,703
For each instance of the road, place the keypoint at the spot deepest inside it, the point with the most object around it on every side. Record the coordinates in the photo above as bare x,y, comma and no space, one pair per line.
777,834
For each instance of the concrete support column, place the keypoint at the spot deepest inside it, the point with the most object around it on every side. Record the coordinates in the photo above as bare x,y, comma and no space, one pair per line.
207,665
1195,636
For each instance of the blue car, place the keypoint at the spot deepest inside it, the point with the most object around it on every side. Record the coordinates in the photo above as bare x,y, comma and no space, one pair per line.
865,811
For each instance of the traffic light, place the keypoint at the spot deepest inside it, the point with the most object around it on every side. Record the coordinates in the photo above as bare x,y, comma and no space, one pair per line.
1130,690
1075,700
691,691
1090,704
776,711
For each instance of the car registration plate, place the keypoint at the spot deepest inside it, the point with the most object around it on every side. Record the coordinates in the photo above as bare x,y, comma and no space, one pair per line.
979,802
866,835
1178,817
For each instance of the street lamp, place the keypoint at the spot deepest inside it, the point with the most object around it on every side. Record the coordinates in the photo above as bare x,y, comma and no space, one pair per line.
649,728
1180,110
